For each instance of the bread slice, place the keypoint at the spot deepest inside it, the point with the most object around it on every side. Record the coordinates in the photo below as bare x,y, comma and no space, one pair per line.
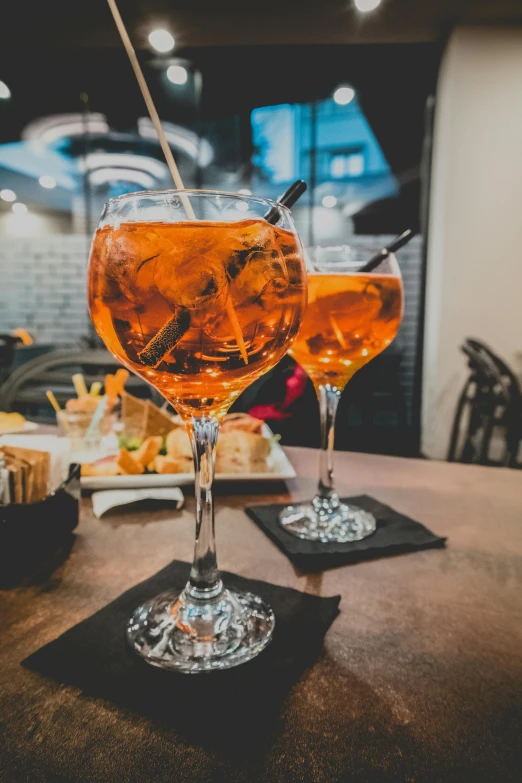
178,444
241,421
242,452
105,468
133,415
167,464
157,421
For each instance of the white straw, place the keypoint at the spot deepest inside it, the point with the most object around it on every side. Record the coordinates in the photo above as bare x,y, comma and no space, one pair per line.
168,154
171,163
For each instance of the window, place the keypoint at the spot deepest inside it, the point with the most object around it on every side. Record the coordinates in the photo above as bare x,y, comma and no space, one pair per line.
344,165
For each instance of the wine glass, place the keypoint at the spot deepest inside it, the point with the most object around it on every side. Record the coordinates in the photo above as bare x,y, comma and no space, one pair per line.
351,317
199,294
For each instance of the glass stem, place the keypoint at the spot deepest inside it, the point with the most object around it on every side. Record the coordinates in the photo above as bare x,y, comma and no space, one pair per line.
205,581
328,397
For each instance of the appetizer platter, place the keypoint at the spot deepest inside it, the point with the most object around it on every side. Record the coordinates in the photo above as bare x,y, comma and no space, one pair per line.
154,451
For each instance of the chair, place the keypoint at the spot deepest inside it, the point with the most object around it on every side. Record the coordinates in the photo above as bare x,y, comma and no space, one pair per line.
512,421
8,345
490,404
25,390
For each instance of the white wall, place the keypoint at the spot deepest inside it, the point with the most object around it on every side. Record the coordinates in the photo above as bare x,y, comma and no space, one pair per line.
474,284
32,224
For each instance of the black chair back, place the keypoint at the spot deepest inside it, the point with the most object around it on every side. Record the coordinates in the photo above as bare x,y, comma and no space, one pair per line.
490,405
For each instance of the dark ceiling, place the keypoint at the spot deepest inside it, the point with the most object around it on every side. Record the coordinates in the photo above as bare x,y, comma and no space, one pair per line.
87,23
51,51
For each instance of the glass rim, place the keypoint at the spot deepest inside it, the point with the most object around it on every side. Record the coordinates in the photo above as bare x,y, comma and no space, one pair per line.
370,247
327,267
201,192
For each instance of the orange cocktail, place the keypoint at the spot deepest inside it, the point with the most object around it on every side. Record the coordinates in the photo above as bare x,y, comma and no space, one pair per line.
199,293
198,309
349,320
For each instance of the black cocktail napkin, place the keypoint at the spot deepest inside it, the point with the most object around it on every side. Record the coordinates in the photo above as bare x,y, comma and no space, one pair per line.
395,535
95,657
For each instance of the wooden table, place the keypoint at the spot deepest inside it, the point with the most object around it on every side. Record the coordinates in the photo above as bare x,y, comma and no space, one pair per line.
421,674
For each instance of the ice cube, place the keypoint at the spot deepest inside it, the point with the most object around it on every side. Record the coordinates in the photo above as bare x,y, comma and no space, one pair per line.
263,273
197,282
249,238
130,265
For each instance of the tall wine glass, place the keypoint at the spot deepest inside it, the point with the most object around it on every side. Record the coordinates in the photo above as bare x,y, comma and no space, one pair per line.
351,317
199,295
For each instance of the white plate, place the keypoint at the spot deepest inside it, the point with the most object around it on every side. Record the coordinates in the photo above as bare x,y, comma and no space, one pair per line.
280,469
29,426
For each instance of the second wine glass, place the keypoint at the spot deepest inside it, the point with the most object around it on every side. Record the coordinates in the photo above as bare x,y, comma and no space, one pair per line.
351,317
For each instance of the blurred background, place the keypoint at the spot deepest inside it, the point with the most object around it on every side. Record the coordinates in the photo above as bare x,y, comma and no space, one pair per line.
398,114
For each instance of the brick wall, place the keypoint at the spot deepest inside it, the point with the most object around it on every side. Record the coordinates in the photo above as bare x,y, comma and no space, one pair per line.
43,289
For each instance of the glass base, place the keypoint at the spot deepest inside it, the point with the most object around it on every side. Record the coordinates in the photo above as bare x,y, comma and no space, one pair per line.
328,520
193,632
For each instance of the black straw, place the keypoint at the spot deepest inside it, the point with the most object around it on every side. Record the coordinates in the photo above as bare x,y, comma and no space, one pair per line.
288,199
397,243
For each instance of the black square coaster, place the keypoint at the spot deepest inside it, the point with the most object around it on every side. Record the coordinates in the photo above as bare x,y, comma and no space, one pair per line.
395,534
95,657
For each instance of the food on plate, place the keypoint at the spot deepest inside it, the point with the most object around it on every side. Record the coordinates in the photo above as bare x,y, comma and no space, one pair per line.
142,419
178,444
241,448
10,422
165,464
133,415
179,450
242,422
158,421
104,467
149,450
127,464
239,451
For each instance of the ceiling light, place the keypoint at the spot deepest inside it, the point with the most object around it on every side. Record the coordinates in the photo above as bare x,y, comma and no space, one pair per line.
161,40
110,174
7,195
47,181
329,202
19,208
60,126
245,192
182,139
5,92
177,74
103,160
367,5
344,95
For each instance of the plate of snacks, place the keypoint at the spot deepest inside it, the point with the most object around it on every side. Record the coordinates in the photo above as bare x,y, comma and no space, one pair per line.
15,422
155,451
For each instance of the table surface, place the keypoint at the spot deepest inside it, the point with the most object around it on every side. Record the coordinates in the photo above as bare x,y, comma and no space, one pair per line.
420,676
